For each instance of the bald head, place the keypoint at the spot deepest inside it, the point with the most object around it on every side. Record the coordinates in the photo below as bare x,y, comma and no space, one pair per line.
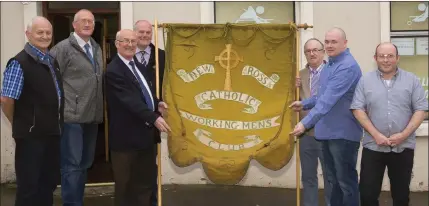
338,31
39,33
335,41
387,46
386,56
143,29
126,42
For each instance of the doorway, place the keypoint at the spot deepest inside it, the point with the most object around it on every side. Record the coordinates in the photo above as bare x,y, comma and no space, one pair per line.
107,23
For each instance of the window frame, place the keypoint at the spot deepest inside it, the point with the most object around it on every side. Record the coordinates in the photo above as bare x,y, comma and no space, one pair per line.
293,8
387,34
399,32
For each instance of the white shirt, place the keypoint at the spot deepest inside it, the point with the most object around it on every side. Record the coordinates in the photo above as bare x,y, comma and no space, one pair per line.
127,62
82,43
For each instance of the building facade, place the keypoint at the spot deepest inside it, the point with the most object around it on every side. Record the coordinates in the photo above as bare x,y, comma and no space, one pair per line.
365,23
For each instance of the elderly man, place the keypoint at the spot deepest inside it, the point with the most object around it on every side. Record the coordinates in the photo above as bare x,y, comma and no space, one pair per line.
310,149
34,105
145,61
390,104
134,119
80,60
335,125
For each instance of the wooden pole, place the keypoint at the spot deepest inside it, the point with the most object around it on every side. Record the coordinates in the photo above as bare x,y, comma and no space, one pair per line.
106,122
298,165
158,96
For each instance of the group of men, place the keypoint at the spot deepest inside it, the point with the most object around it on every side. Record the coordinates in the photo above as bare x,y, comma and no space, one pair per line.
55,111
54,101
340,106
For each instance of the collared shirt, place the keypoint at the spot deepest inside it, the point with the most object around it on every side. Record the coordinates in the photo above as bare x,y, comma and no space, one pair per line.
146,55
127,62
82,43
390,106
13,81
330,109
315,72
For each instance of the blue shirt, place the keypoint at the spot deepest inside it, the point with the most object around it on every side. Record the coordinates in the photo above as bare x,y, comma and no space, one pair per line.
330,112
13,81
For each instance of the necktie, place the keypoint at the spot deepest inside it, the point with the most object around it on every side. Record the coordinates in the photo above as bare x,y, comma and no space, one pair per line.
142,59
314,82
89,54
143,88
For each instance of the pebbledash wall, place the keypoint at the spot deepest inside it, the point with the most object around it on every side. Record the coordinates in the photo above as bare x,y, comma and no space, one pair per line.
347,15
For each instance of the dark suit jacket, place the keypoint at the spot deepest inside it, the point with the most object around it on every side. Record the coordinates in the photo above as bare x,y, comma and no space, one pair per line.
150,68
150,72
131,123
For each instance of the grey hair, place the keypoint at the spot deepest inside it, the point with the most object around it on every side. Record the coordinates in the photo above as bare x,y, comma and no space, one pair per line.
137,22
76,16
118,35
30,24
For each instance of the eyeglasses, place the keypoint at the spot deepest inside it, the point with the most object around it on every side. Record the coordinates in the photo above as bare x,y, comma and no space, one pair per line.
128,41
388,56
86,21
313,50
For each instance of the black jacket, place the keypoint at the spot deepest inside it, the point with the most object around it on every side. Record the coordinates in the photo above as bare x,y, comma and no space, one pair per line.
36,112
131,123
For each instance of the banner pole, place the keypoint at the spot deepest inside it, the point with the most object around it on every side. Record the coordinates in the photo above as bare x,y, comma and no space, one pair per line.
158,96
298,164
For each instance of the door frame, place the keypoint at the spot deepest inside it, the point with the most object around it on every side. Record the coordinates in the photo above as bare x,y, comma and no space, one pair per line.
46,12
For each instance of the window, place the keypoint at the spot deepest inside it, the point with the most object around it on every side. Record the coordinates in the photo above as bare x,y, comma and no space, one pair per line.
254,12
409,32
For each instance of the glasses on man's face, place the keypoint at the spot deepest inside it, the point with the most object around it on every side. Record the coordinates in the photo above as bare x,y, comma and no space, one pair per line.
384,56
86,21
314,51
128,41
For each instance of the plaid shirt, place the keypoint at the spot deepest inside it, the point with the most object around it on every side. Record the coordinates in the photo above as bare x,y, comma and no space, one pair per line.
13,81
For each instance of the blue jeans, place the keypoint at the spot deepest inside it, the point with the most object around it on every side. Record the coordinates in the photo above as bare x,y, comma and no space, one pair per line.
77,155
310,150
340,163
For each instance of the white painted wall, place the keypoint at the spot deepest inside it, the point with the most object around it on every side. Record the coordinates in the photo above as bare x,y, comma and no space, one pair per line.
324,16
12,42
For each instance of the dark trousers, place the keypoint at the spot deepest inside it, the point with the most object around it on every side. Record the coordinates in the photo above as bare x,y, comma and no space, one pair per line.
154,196
37,167
134,174
340,157
399,168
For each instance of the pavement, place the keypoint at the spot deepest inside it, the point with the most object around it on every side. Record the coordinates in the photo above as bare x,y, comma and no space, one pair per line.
208,195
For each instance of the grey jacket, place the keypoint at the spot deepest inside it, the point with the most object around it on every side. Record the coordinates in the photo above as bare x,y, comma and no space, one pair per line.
83,87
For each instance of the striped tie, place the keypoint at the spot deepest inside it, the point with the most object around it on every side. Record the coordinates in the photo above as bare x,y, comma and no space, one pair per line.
142,60
314,82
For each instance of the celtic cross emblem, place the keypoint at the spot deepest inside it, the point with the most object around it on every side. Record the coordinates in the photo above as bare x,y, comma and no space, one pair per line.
228,59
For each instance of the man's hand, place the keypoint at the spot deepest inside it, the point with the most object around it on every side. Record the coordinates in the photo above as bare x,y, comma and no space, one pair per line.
162,108
298,81
382,140
162,125
298,130
397,139
296,106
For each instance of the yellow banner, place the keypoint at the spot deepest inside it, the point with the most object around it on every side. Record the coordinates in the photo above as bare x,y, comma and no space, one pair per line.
228,88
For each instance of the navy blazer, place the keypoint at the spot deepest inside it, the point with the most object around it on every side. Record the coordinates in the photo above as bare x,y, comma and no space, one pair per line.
131,122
